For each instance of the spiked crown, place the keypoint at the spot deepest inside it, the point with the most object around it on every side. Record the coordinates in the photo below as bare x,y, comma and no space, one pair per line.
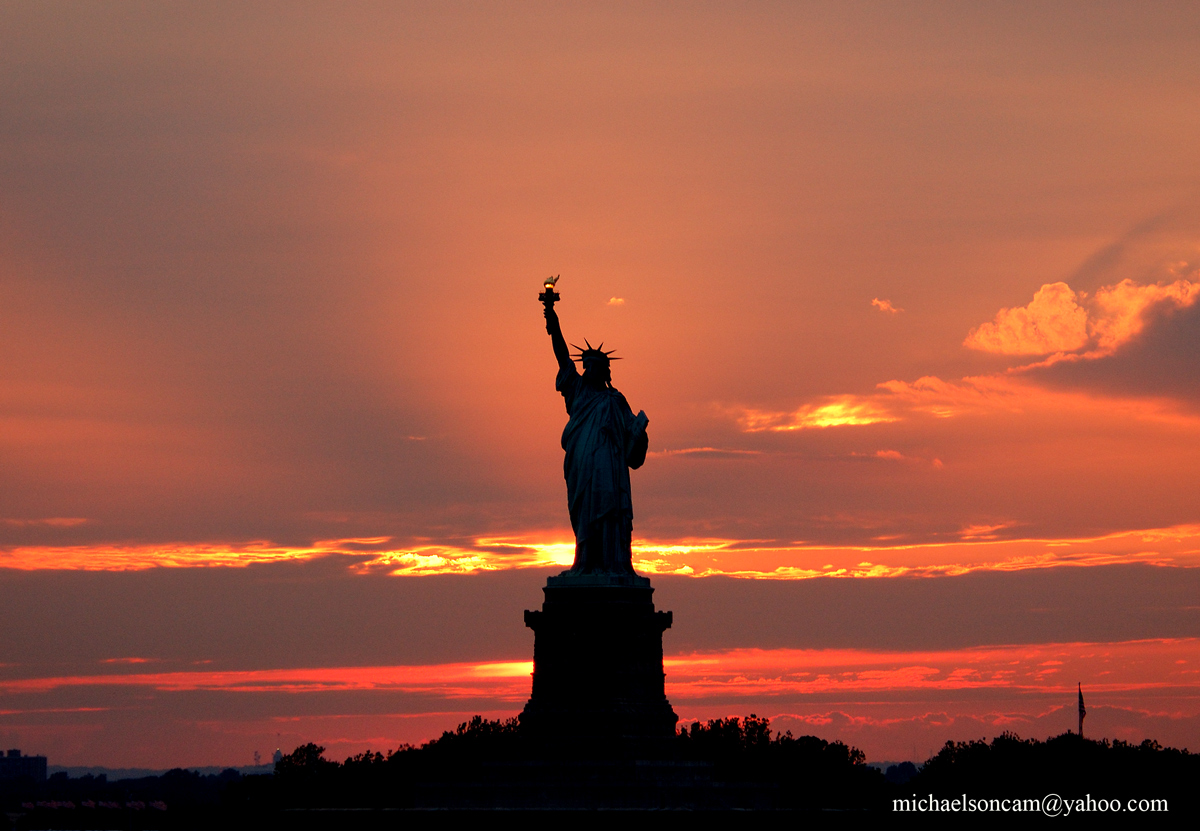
593,353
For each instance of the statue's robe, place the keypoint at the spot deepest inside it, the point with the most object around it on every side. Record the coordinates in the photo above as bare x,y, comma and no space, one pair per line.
603,439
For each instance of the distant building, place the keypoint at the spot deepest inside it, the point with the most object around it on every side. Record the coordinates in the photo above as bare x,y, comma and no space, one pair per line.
15,766
278,755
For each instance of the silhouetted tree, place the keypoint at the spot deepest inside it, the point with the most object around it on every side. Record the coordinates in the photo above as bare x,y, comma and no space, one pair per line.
808,771
305,762
1066,765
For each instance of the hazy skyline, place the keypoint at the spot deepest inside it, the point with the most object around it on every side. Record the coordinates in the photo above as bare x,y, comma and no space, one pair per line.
909,295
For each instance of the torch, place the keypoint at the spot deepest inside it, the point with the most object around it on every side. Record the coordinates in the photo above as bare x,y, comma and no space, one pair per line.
549,296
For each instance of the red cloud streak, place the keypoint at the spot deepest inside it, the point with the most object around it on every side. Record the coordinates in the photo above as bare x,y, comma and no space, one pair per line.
890,694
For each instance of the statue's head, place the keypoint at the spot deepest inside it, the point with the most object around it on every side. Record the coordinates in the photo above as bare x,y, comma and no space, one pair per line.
596,364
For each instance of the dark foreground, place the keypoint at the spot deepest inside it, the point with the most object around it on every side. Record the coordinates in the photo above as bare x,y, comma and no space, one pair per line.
730,765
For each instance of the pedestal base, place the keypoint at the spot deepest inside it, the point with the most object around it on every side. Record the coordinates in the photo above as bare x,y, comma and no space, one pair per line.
598,670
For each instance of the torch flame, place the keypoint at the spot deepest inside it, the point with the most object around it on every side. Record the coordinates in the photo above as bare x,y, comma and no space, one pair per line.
550,281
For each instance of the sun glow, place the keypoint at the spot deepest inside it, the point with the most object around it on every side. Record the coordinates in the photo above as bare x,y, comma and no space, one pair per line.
975,547
841,411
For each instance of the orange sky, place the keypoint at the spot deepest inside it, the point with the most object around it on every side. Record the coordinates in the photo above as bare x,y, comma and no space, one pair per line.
905,292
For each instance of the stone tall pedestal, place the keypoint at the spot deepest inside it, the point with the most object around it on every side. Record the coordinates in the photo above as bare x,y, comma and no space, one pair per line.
598,670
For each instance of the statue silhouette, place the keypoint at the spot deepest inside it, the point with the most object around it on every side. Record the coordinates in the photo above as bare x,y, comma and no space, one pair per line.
603,439
598,683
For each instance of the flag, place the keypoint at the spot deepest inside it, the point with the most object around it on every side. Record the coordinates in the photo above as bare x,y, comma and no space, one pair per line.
1082,709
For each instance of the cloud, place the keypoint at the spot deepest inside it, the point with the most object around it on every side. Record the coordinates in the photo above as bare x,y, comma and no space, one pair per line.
51,522
499,679
893,456
127,660
1122,310
1060,320
368,554
1161,361
616,301
705,452
1015,393
885,306
1052,322
983,532
322,614
832,412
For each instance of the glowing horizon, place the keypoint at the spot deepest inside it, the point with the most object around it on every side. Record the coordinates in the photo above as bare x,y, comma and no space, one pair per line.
976,548
1026,687
747,672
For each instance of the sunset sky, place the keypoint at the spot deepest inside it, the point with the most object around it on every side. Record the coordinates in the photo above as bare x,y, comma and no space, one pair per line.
910,294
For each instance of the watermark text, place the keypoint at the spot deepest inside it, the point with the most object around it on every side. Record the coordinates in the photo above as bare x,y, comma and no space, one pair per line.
1051,805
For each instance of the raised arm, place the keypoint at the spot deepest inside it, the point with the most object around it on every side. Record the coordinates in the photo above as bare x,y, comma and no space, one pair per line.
557,340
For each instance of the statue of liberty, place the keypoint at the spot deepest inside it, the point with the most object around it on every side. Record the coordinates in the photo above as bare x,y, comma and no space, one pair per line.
603,439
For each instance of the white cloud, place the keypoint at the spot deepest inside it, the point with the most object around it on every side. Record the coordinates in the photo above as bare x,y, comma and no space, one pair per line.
1061,320
1052,322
